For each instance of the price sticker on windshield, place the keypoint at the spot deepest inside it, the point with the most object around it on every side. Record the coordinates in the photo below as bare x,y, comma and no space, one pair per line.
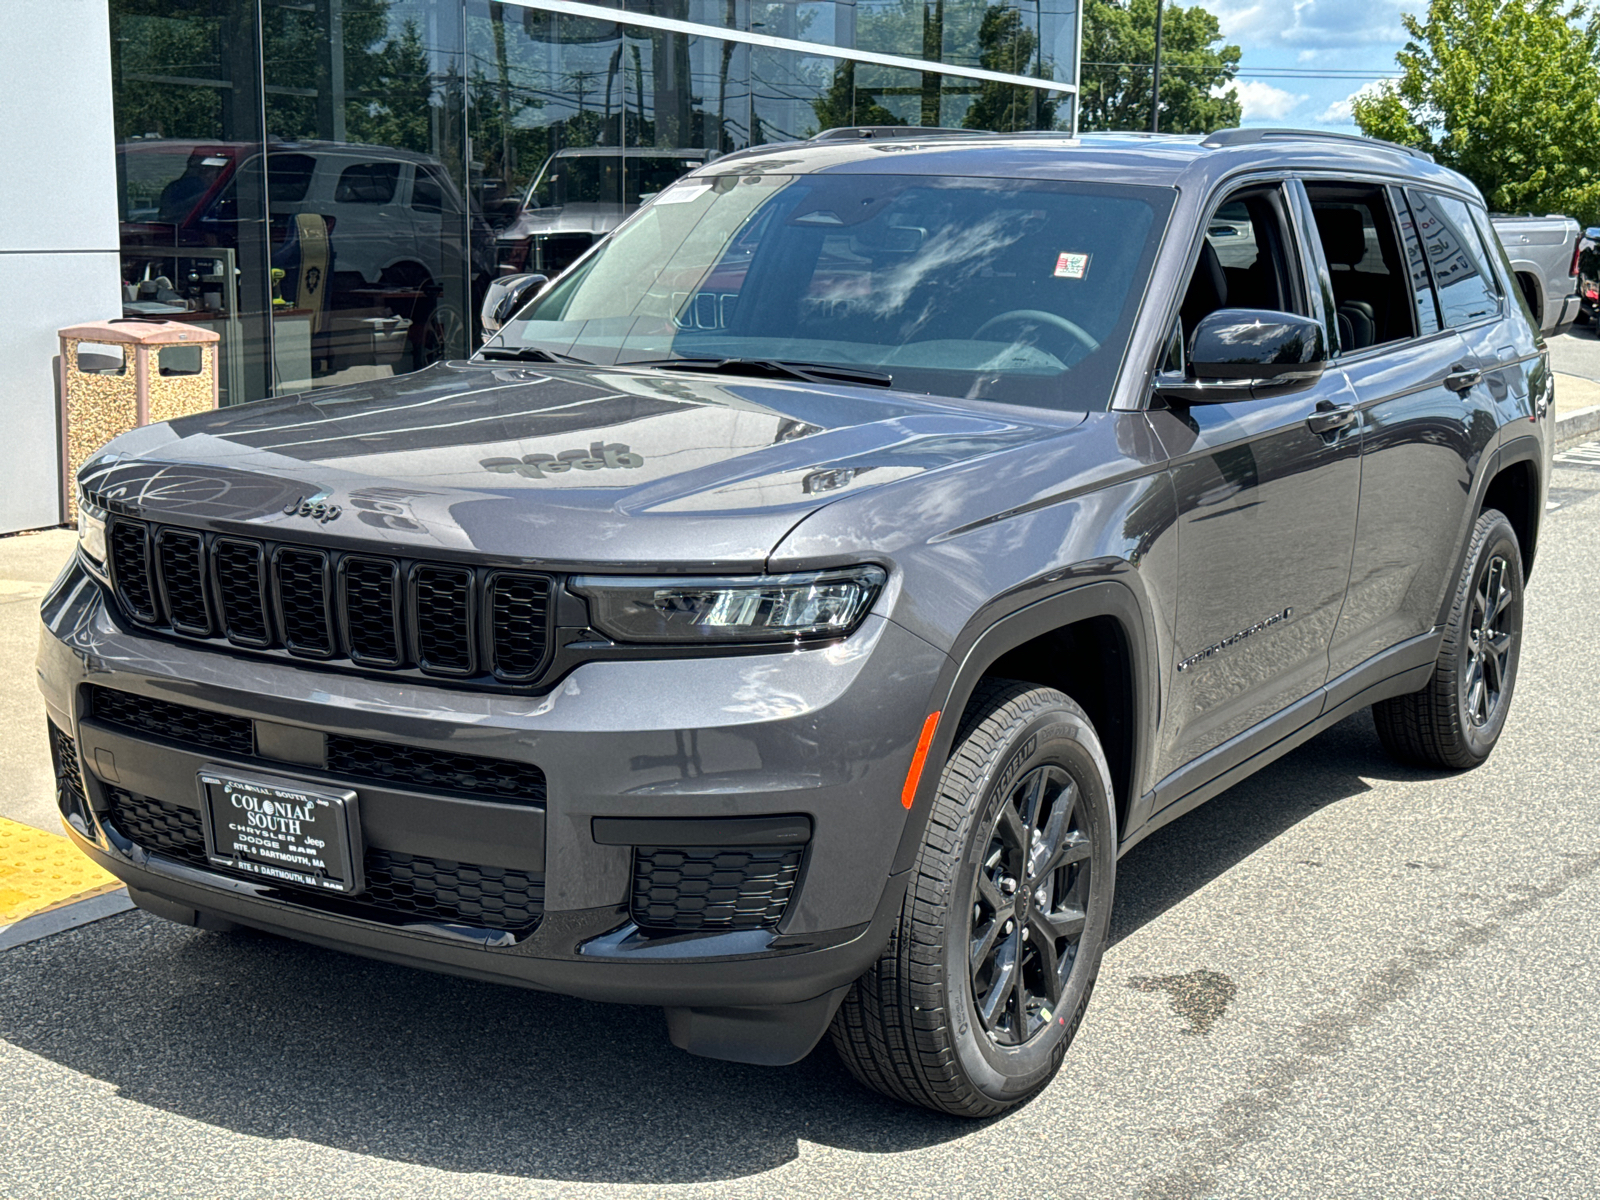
1071,266
683,194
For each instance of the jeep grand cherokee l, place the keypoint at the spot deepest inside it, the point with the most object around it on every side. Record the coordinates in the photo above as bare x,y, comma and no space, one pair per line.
792,615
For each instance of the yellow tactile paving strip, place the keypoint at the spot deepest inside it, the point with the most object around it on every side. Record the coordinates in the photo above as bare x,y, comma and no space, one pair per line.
41,871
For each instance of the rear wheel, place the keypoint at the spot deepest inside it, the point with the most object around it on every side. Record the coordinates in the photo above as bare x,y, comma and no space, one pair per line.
1455,721
971,1007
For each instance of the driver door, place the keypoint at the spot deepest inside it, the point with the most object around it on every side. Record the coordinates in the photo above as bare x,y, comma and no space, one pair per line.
1266,492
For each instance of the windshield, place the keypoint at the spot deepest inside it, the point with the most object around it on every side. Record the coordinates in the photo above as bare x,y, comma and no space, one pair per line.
1021,292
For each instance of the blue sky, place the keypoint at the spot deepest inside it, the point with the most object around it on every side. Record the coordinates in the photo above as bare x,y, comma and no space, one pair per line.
1304,59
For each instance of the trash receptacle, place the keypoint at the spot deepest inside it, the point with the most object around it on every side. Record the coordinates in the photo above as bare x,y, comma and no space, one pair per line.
116,375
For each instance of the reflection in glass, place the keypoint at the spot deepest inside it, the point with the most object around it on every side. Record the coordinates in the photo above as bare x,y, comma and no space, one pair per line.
973,287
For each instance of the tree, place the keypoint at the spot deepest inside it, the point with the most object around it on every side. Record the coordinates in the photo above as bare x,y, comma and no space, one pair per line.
1008,45
1119,46
1508,93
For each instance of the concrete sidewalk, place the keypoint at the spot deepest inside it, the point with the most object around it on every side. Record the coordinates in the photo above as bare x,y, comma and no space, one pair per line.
1577,409
29,562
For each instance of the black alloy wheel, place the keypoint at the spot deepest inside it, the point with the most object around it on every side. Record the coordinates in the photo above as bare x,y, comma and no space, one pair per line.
1490,639
1029,897
972,1004
1455,720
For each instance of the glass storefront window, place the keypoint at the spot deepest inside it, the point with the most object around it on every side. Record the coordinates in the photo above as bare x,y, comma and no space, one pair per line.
332,184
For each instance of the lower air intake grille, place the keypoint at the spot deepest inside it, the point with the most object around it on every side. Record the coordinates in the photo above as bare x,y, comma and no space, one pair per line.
69,776
441,890
712,887
436,770
177,722
412,885
159,827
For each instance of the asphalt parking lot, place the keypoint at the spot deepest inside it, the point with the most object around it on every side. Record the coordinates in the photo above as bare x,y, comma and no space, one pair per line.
1340,978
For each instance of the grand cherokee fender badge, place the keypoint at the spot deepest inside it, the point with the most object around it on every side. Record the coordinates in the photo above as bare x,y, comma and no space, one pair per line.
311,506
1276,618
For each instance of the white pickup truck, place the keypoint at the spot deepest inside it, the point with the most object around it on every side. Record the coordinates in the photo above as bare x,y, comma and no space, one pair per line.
1544,256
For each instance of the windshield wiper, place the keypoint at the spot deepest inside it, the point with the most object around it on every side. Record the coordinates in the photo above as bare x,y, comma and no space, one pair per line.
530,354
773,368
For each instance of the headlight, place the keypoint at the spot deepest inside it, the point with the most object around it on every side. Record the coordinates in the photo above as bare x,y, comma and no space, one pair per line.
760,608
91,530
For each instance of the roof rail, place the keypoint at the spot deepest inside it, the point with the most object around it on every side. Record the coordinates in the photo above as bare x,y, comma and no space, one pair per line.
1251,137
852,133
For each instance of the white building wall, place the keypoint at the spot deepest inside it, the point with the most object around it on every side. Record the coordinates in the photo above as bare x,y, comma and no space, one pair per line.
58,229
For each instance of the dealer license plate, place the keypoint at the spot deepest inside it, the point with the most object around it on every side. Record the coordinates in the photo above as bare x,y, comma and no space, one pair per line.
282,830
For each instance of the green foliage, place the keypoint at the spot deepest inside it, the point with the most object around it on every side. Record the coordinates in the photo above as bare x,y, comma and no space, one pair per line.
1006,44
840,105
1508,93
1119,46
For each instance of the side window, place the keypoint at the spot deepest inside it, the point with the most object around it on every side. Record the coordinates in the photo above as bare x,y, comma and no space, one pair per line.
1245,261
289,177
367,183
1461,271
426,194
1373,287
1416,266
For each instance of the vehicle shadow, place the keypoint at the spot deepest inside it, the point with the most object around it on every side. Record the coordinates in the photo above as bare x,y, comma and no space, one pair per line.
275,1039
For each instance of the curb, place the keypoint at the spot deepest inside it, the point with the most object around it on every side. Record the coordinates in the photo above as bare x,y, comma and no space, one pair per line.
1577,426
65,916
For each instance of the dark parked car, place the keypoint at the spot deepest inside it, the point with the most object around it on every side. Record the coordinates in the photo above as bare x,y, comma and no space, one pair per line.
797,610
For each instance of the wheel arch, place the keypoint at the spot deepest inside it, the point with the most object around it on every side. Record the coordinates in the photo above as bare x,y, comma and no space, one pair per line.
1514,490
1529,279
1095,643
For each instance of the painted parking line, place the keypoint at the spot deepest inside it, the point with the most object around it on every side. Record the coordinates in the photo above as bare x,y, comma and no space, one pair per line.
42,871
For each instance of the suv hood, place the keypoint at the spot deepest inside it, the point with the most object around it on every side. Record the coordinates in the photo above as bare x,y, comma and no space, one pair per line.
565,466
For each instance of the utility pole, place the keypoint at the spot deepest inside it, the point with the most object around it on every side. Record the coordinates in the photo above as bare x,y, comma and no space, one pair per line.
1155,86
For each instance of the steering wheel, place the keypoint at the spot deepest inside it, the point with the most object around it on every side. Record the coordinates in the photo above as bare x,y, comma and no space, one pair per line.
1048,318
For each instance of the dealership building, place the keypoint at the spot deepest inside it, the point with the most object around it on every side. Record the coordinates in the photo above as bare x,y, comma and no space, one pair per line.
330,185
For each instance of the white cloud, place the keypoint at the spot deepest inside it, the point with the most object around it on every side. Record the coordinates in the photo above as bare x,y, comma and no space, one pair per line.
1262,100
1342,112
1313,24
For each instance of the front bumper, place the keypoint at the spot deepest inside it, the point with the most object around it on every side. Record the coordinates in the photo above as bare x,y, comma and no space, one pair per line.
826,734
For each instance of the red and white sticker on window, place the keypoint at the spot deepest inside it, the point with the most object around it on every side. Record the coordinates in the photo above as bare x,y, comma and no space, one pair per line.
1071,266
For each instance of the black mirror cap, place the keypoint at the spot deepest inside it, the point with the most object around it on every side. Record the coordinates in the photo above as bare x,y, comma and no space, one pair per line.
1259,345
505,296
1237,353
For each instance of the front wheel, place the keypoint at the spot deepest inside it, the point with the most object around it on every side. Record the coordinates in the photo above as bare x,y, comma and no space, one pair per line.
1455,721
971,1007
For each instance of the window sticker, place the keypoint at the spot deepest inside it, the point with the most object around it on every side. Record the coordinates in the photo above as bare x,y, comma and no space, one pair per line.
683,194
1071,266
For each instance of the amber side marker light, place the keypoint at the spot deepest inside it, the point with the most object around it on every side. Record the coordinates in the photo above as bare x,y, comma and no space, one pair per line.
914,776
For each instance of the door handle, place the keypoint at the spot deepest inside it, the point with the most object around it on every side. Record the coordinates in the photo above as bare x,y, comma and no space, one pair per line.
1330,416
1462,379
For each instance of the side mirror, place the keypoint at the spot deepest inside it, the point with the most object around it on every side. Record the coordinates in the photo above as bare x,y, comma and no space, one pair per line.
505,296
1237,352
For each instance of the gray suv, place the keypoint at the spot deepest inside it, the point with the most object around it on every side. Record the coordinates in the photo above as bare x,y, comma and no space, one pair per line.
800,605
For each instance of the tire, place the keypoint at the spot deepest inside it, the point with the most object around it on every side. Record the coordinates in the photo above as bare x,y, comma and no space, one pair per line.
914,1027
1455,721
442,335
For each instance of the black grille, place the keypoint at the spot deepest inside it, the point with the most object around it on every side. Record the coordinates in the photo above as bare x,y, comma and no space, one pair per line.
182,559
130,568
159,827
712,887
371,611
519,614
178,722
442,600
69,776
434,889
303,601
242,588
377,612
435,770
441,890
